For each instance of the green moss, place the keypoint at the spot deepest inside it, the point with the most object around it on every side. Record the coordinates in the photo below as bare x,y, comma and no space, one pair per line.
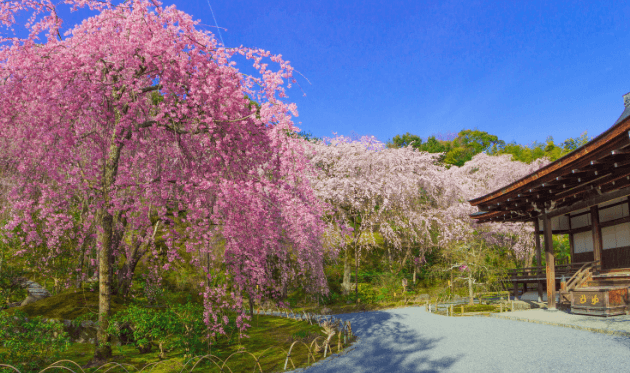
68,305
269,337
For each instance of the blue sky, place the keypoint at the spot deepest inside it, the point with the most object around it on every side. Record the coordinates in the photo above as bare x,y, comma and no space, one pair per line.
520,70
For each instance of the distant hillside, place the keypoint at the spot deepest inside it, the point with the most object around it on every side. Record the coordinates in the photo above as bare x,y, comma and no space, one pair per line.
468,143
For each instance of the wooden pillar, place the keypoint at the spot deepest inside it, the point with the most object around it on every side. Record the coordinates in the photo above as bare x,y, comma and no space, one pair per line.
571,244
515,289
597,235
551,264
538,257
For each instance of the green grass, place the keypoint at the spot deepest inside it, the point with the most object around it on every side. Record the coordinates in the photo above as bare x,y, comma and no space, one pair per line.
476,308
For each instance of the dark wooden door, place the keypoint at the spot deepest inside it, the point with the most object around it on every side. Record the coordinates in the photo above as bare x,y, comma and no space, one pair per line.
616,258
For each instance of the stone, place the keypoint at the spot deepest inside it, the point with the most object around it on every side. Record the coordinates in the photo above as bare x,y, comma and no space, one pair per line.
29,299
326,311
85,332
35,289
35,292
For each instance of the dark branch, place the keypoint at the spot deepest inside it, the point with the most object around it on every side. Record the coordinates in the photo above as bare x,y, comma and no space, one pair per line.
152,88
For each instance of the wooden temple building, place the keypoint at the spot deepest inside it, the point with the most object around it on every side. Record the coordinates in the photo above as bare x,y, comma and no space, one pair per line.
585,195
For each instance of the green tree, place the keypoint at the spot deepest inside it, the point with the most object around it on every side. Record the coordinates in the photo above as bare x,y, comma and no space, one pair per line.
469,143
571,144
401,141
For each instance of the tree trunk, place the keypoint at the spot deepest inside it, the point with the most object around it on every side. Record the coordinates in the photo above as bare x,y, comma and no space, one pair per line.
415,267
470,291
116,241
403,262
104,239
103,349
126,275
345,285
356,272
138,251
530,259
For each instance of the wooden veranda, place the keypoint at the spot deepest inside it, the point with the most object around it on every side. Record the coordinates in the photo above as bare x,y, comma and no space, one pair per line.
585,195
537,275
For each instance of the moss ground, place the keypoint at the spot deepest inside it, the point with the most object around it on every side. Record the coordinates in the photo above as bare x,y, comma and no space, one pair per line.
269,339
68,305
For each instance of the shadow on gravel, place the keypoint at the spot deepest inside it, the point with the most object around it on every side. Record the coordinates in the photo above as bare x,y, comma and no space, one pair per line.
624,341
386,344
618,321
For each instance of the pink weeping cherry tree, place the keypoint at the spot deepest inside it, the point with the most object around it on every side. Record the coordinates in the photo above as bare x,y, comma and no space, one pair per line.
371,189
136,120
479,176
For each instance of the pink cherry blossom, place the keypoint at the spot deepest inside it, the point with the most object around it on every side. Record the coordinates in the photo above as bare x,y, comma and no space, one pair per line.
98,168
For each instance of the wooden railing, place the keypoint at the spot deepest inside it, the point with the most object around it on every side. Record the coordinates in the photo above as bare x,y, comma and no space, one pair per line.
578,278
582,275
561,269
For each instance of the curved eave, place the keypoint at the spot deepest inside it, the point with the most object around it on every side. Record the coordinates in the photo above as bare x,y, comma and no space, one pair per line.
565,163
486,215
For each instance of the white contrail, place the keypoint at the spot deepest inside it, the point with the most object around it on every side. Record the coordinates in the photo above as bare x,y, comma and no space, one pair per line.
215,23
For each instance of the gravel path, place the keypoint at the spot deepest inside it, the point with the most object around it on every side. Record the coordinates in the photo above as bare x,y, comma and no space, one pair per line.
412,340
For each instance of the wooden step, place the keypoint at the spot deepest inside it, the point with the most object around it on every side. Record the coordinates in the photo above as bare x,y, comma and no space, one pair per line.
607,282
624,274
615,270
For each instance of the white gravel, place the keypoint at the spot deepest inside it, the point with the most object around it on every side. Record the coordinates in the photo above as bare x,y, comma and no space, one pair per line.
412,340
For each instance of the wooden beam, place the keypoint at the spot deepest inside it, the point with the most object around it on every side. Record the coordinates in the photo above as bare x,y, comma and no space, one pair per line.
551,264
619,181
538,255
605,177
620,152
597,235
596,200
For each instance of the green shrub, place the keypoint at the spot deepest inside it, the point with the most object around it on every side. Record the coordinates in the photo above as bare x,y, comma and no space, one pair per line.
367,294
178,326
148,326
479,308
192,336
30,343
